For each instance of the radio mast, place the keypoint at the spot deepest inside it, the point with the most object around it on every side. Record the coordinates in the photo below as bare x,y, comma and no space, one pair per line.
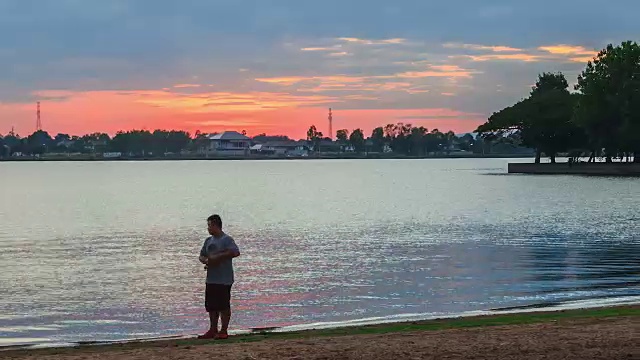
38,121
330,124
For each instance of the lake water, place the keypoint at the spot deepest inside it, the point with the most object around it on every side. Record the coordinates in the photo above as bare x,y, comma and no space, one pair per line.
108,250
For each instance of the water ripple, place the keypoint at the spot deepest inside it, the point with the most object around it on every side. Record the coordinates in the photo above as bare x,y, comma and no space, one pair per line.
108,251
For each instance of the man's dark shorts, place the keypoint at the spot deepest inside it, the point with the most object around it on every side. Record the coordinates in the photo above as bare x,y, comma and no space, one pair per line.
217,297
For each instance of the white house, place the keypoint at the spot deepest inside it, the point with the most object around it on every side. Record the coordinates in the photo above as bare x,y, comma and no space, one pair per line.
230,143
281,148
111,155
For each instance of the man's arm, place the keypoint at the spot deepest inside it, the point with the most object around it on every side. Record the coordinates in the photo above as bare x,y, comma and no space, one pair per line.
203,253
215,259
231,252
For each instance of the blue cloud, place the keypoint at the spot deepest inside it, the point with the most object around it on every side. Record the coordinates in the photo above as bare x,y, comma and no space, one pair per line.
150,44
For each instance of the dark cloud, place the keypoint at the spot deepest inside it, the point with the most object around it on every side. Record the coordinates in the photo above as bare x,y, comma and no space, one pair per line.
151,44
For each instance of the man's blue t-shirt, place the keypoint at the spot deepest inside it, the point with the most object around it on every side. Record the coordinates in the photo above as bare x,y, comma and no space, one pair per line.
221,274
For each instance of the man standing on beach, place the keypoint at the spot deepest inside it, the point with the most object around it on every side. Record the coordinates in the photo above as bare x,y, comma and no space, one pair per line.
217,255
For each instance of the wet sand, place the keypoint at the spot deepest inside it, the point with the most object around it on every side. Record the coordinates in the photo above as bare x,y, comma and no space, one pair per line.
583,338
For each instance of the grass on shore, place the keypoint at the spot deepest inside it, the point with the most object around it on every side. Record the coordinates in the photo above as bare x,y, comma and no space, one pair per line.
443,324
431,325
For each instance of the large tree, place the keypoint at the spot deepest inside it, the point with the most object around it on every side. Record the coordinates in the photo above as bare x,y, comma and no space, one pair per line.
39,142
135,142
609,105
4,148
357,140
173,141
399,138
433,141
314,136
418,143
342,135
543,121
377,138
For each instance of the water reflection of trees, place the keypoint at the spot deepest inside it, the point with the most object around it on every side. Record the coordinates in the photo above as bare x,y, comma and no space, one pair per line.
592,266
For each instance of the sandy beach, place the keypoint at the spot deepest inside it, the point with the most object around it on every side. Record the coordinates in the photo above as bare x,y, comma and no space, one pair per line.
608,337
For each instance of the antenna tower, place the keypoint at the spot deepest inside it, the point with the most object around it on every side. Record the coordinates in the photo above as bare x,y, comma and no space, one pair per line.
330,124
38,121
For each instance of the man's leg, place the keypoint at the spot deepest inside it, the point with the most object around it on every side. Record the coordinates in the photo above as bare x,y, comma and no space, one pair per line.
213,327
213,314
225,316
213,319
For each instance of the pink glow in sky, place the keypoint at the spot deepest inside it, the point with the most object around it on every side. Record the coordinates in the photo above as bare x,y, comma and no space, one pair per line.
105,66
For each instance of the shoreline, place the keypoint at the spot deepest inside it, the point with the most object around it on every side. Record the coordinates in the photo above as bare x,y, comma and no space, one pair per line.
90,158
605,333
585,168
532,314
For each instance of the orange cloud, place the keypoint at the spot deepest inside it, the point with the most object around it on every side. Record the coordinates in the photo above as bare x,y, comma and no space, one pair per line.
427,74
514,57
227,101
566,49
571,53
333,48
316,49
493,48
574,53
443,71
562,52
409,82
449,68
291,80
582,59
395,85
184,86
394,41
413,91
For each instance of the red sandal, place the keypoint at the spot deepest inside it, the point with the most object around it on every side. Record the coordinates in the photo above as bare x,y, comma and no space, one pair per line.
222,336
211,334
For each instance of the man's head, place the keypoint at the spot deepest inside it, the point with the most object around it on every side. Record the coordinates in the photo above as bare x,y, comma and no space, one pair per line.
214,224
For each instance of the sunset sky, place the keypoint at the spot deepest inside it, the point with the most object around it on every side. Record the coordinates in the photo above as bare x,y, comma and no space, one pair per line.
276,66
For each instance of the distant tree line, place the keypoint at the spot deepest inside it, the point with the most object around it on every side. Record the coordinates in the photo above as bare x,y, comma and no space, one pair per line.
601,119
139,142
403,139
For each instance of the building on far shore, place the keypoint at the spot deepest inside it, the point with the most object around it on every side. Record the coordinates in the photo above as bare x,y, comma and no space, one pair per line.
281,148
112,155
228,143
329,146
